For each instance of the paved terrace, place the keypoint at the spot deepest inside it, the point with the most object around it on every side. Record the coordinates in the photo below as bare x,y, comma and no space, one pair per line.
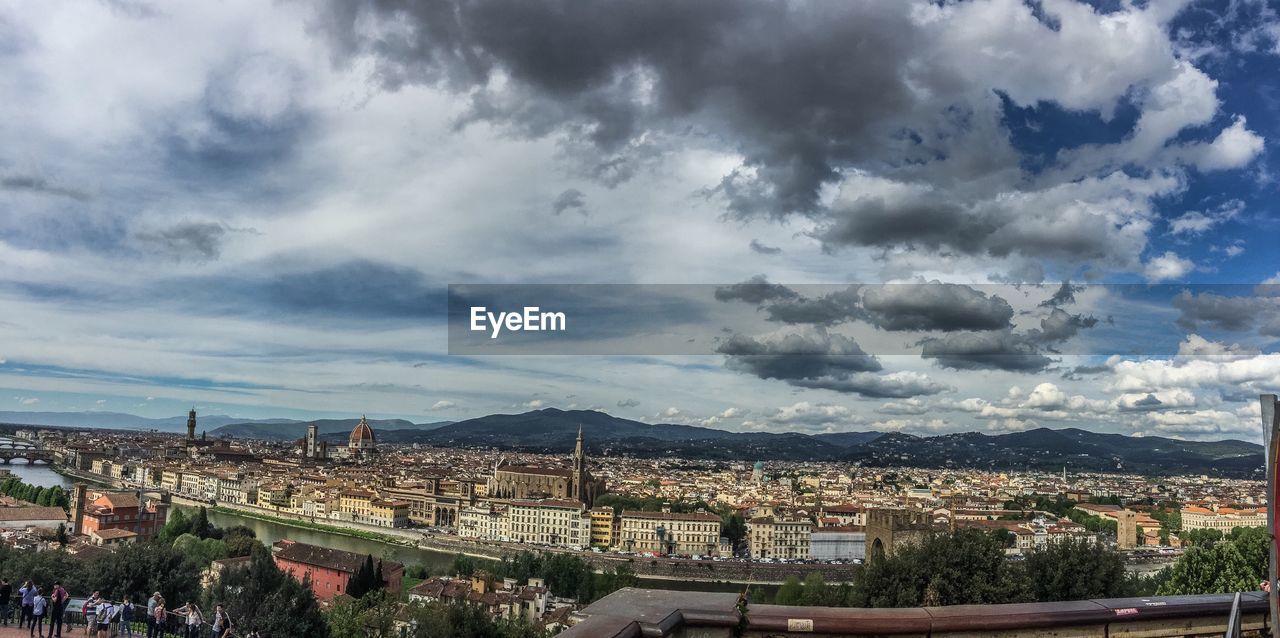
648,613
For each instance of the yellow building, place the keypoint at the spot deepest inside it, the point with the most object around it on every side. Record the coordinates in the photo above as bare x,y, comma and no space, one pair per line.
780,537
559,522
603,527
695,534
387,513
1222,518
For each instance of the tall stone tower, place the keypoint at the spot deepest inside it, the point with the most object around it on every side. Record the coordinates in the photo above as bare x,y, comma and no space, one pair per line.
1126,529
579,487
191,425
313,448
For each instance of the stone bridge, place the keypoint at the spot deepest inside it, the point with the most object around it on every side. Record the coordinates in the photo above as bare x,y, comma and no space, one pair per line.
29,454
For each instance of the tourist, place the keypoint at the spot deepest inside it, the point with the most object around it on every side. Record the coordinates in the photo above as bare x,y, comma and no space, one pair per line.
28,594
126,617
58,600
155,627
90,612
105,611
221,622
6,595
160,616
194,619
39,606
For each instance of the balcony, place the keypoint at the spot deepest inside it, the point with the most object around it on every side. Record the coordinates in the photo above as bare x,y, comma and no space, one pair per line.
648,613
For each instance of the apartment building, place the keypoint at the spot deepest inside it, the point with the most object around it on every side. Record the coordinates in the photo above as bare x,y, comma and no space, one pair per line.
780,537
549,522
696,534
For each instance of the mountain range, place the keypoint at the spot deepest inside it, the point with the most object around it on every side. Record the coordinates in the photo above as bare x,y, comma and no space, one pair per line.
554,431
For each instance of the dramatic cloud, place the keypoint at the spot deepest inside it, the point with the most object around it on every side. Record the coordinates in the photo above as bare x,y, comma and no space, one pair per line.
934,306
795,355
756,290
993,350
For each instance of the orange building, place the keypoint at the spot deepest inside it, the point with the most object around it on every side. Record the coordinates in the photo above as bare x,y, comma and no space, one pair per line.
329,570
98,510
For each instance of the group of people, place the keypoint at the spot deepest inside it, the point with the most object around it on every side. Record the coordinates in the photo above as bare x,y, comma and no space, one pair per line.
35,607
108,619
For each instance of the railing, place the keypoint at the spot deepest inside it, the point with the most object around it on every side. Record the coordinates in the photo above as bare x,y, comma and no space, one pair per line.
636,613
174,623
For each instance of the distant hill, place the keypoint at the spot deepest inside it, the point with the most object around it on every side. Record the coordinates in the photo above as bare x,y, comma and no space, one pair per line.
1075,449
329,429
122,421
553,430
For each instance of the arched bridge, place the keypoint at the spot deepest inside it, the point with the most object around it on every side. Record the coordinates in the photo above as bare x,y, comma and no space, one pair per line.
31,455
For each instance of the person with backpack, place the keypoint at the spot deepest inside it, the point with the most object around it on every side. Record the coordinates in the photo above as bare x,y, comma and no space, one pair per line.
58,600
221,622
39,607
105,611
28,594
126,617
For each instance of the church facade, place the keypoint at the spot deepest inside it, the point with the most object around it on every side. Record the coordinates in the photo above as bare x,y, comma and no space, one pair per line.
528,482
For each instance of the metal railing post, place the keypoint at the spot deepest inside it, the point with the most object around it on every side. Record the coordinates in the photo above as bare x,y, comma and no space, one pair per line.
1233,621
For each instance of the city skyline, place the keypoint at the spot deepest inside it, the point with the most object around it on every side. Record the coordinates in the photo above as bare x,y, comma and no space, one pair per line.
257,209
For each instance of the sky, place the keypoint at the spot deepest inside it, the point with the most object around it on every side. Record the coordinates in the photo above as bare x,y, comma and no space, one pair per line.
257,208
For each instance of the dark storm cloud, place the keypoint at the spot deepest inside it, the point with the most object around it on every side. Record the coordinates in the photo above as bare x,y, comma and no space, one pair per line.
1149,402
809,355
570,199
756,290
934,307
190,240
1233,313
1065,295
1080,371
628,403
993,350
762,249
801,90
817,359
1061,325
876,386
826,310
871,221
40,185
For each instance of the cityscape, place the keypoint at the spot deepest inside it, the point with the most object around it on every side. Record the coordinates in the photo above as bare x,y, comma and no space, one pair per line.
639,318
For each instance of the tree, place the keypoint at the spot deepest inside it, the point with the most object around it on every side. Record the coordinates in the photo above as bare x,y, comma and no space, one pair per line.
967,566
61,535
1075,569
816,591
269,599
790,592
138,569
735,529
1215,569
366,579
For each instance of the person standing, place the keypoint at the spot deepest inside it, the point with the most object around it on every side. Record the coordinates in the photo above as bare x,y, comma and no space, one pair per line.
221,622
126,617
6,597
90,611
28,594
154,625
39,606
194,618
105,611
58,600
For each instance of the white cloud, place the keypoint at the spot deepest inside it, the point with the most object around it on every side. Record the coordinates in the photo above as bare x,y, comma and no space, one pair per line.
443,404
27,400
1235,147
1167,266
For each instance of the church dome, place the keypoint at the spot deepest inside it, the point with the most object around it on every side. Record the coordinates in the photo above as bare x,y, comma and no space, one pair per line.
362,435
